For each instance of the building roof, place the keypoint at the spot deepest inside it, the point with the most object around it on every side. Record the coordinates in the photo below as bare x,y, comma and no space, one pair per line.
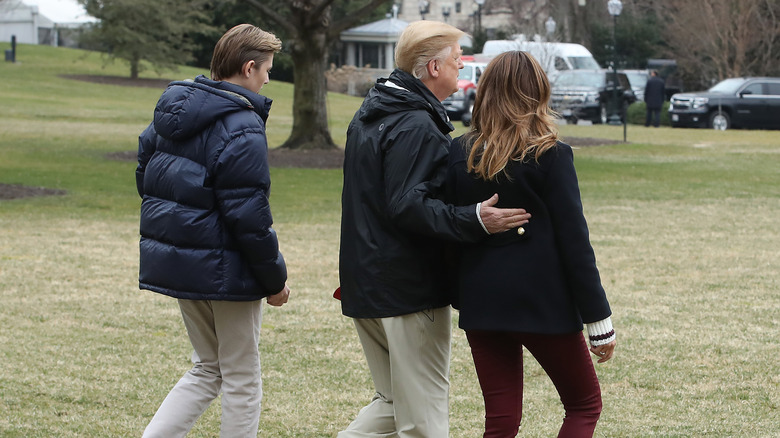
62,12
387,30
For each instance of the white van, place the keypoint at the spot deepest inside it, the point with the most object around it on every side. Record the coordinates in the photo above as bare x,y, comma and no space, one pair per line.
554,57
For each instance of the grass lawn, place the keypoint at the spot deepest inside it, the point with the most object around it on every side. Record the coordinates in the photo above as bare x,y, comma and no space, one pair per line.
683,223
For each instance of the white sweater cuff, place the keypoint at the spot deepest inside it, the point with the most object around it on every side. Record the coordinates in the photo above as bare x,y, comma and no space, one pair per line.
601,332
479,218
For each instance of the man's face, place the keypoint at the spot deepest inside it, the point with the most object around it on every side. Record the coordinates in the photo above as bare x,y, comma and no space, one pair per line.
451,68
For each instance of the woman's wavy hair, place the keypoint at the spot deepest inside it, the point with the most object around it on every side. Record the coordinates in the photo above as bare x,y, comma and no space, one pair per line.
511,119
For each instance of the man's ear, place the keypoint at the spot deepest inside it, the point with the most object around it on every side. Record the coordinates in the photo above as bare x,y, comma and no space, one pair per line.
433,68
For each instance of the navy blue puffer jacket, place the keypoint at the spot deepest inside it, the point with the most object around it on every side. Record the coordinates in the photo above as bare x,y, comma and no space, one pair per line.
203,175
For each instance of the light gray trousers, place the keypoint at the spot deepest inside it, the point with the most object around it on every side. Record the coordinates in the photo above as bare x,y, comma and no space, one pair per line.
224,337
409,360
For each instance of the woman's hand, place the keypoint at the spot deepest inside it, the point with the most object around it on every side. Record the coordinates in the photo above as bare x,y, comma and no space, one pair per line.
604,352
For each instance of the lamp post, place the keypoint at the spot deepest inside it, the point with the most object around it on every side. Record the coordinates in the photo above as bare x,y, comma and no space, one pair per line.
479,14
423,7
549,26
614,7
446,9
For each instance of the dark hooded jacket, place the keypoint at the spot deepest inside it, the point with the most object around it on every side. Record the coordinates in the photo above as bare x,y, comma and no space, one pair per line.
393,224
203,175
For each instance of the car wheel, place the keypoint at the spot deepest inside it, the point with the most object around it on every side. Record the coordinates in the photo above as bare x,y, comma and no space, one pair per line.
466,118
720,120
603,115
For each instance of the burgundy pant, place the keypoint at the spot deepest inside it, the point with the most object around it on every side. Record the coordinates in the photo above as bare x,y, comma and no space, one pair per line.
498,357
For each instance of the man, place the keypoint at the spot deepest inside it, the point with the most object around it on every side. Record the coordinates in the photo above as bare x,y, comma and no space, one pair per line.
655,94
206,236
393,229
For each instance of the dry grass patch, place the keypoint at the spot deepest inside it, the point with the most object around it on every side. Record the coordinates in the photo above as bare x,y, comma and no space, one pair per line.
685,237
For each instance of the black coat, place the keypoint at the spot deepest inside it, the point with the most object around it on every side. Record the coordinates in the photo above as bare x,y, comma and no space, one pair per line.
543,281
655,92
390,260
203,175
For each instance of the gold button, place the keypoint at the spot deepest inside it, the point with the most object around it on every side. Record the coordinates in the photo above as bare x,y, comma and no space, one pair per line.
521,231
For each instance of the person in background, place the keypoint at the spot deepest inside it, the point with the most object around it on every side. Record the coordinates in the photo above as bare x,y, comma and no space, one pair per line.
393,229
206,236
531,288
655,94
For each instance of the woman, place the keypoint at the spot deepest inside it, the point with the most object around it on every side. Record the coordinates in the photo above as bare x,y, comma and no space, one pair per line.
206,236
532,287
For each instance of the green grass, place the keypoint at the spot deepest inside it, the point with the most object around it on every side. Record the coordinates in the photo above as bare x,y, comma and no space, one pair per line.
683,223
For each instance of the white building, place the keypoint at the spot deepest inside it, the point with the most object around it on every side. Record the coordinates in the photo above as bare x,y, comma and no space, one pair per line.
467,15
49,22
373,44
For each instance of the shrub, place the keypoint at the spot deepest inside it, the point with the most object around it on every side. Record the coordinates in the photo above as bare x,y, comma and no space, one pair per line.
637,113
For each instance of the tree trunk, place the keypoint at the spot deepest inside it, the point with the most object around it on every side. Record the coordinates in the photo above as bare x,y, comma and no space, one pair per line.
310,32
135,66
310,115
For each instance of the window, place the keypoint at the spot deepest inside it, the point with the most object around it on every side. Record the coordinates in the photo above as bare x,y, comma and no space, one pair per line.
755,89
773,89
578,78
623,81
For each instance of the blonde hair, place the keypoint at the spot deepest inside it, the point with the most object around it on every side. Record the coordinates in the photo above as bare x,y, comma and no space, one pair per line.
511,118
239,45
423,41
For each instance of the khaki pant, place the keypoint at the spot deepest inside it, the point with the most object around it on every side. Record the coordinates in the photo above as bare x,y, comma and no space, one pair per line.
224,337
409,359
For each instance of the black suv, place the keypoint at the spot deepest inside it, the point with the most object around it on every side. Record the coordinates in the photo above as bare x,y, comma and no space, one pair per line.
589,94
731,103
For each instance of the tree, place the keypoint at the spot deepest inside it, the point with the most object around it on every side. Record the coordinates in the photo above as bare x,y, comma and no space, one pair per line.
156,31
637,39
310,31
575,19
717,39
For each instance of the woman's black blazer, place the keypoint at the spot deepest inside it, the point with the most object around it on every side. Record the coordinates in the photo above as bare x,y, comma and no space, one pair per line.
544,280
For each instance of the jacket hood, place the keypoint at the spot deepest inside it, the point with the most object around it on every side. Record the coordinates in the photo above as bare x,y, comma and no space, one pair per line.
188,107
403,92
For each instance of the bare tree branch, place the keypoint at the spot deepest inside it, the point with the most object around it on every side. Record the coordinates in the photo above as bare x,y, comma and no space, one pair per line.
277,18
716,39
320,7
346,22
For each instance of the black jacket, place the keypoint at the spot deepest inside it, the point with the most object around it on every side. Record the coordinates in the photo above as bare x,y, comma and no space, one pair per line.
203,175
543,281
655,92
392,225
